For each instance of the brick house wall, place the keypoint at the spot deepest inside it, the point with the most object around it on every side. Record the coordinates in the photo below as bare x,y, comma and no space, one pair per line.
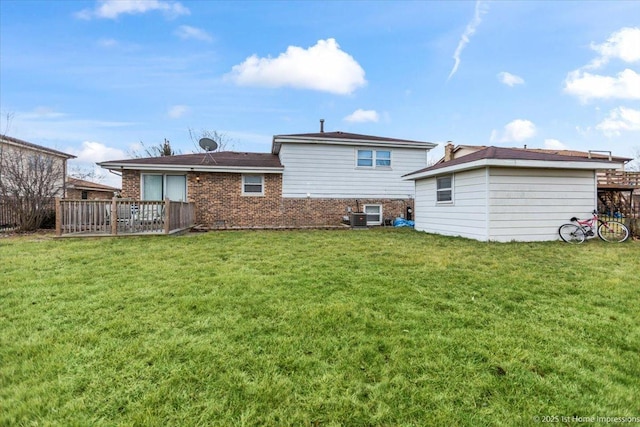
73,193
131,184
219,203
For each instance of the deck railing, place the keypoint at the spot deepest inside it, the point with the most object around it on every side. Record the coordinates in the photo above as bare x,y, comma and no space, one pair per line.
619,179
122,217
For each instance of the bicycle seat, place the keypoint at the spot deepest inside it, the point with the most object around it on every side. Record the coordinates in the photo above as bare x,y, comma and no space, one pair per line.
573,218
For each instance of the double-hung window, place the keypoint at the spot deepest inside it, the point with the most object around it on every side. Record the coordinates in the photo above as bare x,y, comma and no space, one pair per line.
159,187
444,189
374,159
252,185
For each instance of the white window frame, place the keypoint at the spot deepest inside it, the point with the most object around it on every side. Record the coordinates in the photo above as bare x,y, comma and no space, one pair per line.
444,189
252,193
374,158
364,209
164,184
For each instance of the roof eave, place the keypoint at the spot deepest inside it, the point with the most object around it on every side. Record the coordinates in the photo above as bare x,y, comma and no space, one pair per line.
35,147
190,168
516,163
279,139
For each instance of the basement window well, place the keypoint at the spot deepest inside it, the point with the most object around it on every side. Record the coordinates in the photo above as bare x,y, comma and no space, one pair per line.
374,214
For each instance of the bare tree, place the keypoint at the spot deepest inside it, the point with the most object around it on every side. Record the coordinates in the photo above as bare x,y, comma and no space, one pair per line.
634,165
86,174
222,139
29,183
160,150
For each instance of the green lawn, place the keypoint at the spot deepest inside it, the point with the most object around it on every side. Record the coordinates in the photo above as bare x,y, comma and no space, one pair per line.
319,328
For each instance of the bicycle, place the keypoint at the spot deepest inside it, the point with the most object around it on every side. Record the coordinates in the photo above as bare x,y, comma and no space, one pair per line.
609,231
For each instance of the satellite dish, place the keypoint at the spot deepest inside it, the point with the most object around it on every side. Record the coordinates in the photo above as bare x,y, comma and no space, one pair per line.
208,144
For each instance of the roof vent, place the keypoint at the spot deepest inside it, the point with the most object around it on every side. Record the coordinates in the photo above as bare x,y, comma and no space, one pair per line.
321,125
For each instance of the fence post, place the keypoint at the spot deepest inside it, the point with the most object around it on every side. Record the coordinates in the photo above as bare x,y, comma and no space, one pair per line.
58,217
167,215
114,216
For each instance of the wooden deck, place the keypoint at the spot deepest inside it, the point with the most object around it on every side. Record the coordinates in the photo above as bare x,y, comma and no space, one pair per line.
616,180
84,218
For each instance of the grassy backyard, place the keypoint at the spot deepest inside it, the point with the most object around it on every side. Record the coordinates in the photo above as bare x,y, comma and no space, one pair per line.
318,328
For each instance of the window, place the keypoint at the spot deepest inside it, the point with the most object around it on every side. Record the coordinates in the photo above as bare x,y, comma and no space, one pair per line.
374,158
374,214
84,195
444,189
383,158
159,187
365,158
252,185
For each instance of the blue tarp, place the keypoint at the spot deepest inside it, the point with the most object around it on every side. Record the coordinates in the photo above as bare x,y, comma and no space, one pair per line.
401,222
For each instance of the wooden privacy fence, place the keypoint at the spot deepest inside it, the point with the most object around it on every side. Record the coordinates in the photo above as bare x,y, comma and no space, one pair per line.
122,217
8,216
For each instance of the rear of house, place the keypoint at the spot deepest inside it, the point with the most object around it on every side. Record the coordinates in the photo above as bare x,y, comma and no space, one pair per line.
308,180
500,194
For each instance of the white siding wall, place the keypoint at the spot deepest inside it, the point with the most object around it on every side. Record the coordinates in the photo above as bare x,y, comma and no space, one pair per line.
329,171
465,217
530,204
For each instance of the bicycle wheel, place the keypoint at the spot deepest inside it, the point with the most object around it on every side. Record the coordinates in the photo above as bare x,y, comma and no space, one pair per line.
571,233
613,231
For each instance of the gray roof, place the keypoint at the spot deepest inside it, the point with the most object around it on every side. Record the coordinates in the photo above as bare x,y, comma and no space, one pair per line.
500,153
230,159
346,136
81,184
33,146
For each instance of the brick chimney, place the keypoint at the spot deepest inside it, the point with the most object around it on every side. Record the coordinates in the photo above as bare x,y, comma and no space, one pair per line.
448,151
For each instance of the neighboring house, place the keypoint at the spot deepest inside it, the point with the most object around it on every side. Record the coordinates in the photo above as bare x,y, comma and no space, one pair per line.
15,152
505,194
87,190
313,179
30,177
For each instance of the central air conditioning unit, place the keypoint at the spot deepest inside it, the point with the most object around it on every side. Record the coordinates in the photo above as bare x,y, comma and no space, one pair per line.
358,219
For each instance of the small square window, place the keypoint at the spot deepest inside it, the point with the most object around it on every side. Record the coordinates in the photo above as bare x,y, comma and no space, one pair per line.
374,214
252,185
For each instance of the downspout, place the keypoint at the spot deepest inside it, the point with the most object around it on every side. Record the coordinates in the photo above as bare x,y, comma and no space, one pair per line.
64,178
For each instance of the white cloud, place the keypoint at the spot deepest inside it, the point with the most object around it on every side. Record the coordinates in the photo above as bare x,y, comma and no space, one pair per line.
510,79
515,131
186,32
44,113
480,10
111,9
620,119
92,152
625,85
323,67
107,43
554,144
624,44
177,111
362,116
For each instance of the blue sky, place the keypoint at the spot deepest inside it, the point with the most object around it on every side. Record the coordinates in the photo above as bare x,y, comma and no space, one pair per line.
95,78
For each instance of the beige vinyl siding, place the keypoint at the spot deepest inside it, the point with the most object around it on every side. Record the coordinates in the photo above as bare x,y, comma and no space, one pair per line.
329,171
530,204
465,216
